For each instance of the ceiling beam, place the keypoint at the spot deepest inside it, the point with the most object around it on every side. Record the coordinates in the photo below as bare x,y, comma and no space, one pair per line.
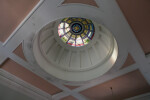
23,87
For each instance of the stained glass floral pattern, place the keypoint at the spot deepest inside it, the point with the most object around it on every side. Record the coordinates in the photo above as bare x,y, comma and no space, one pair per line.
75,31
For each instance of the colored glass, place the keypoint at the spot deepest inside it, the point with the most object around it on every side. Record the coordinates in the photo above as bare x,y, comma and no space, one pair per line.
75,31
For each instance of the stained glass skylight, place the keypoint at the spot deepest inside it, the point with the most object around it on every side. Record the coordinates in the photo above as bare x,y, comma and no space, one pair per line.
76,31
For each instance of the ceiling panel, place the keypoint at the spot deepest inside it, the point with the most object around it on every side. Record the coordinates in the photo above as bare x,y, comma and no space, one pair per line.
129,61
137,12
125,86
19,52
12,12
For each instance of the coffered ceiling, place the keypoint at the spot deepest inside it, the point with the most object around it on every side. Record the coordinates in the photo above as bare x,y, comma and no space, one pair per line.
128,20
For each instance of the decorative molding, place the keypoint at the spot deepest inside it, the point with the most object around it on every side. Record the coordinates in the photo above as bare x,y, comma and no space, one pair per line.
3,57
79,3
23,87
140,97
148,58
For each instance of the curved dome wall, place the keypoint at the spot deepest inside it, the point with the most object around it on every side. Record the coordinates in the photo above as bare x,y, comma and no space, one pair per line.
71,63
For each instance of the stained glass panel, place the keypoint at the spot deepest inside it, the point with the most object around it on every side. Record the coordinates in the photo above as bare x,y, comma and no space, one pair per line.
86,40
67,30
75,31
61,32
84,22
64,38
61,25
83,35
79,41
66,25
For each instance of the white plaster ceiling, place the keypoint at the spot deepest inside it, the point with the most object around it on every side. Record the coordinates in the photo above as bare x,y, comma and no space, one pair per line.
108,14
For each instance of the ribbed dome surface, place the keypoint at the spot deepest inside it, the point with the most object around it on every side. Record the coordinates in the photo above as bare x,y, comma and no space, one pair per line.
67,62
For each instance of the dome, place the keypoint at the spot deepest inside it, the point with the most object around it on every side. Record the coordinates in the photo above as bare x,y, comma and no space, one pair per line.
61,49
